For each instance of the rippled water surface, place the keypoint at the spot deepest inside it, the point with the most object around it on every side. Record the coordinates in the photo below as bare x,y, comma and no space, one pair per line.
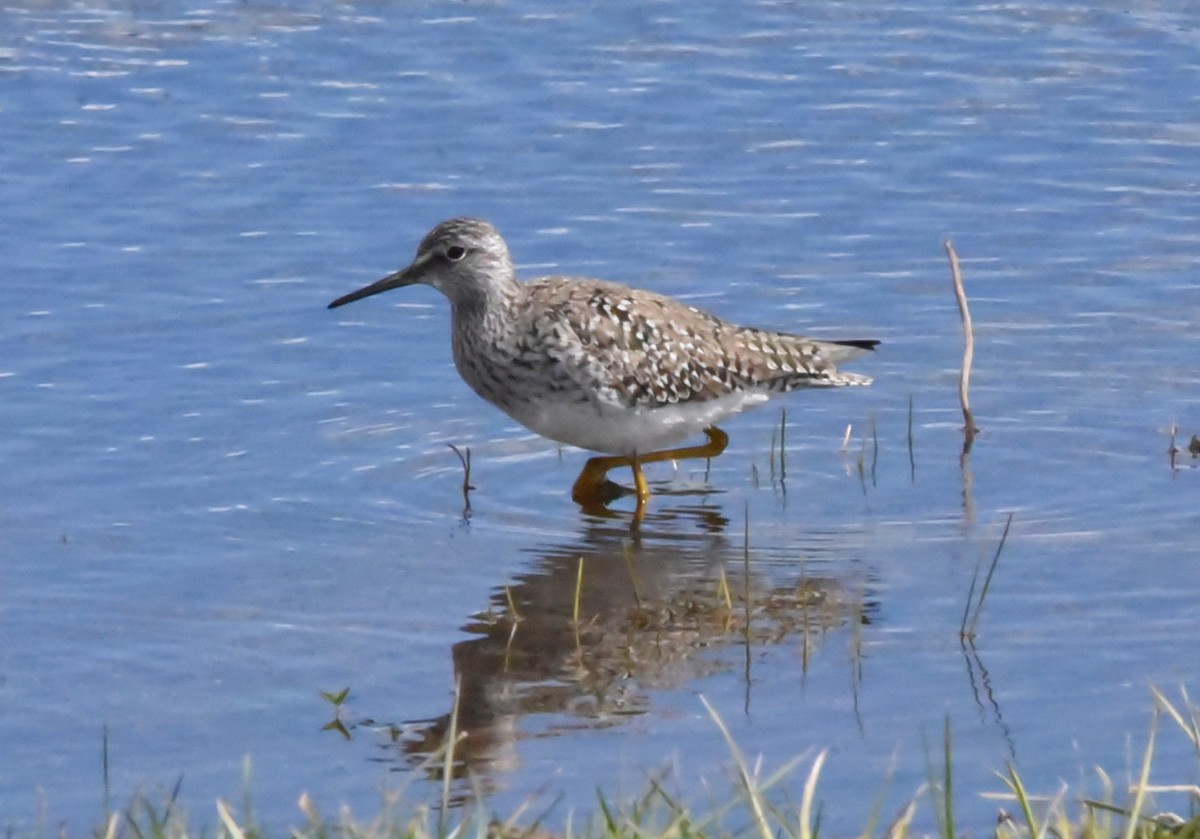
219,499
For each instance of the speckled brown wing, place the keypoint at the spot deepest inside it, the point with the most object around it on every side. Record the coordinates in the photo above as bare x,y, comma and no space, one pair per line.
640,349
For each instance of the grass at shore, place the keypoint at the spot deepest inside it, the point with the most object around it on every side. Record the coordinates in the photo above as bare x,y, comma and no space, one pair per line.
749,812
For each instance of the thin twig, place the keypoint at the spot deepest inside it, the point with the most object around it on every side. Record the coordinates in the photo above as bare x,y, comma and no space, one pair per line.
964,376
774,432
912,462
783,449
465,460
1173,450
874,449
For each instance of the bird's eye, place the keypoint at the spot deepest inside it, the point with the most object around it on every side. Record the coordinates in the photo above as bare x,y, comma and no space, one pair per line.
455,252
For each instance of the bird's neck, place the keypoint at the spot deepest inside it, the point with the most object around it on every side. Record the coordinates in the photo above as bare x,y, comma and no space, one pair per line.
489,305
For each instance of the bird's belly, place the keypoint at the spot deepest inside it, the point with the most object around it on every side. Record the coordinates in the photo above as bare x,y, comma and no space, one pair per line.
627,431
545,399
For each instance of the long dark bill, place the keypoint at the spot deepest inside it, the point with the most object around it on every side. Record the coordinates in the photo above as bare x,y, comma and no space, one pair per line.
397,280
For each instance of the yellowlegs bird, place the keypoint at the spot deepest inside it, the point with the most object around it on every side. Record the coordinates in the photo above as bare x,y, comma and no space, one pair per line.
603,366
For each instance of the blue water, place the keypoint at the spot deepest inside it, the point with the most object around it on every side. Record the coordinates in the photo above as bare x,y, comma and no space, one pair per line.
219,499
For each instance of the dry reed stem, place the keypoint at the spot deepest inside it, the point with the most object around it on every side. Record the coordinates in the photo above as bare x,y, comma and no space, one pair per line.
964,376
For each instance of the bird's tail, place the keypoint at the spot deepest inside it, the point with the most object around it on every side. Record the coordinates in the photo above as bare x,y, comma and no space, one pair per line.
839,351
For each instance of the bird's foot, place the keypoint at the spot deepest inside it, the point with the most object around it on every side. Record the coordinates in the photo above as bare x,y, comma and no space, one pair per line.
593,488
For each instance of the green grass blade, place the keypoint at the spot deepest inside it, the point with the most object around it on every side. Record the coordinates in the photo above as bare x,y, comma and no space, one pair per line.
1139,796
806,800
749,786
1014,783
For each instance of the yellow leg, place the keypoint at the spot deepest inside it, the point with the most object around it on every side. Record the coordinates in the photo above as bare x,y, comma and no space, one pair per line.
639,482
592,487
717,441
643,492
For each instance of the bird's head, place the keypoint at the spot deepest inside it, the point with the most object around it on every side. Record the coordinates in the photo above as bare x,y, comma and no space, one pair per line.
464,258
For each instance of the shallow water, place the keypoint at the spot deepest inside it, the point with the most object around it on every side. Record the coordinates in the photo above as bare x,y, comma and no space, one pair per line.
218,499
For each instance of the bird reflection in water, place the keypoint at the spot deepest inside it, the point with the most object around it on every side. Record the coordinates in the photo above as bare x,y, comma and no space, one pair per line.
653,614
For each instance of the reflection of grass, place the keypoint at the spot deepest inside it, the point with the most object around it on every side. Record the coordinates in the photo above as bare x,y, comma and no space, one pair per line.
750,808
970,619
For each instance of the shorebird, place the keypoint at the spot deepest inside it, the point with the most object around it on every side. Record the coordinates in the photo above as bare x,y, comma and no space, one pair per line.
603,366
